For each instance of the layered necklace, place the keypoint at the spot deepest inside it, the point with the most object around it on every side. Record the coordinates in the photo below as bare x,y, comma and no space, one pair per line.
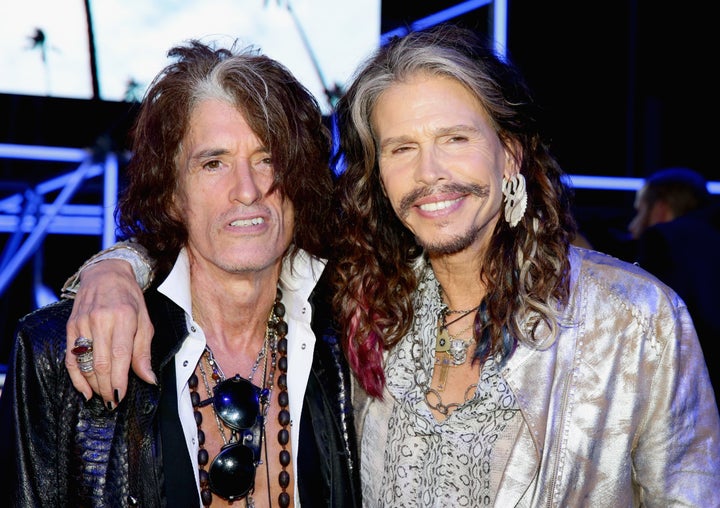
451,350
275,343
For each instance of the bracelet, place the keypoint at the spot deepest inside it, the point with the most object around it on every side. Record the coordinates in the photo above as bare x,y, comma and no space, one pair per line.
128,251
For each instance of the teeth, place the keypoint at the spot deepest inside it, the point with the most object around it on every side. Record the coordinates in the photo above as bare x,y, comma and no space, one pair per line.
248,222
439,205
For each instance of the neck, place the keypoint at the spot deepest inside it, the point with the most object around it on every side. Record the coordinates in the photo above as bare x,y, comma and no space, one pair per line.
233,321
459,279
247,308
461,298
249,294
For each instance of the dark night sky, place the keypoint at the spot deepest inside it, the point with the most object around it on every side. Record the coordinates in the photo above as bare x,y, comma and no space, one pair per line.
626,85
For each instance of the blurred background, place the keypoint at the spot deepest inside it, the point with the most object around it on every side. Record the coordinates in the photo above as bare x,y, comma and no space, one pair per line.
625,87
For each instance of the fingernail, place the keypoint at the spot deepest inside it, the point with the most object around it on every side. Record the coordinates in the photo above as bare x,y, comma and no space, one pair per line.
110,405
117,396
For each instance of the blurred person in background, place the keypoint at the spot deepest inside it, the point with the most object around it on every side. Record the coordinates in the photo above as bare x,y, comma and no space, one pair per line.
677,229
666,195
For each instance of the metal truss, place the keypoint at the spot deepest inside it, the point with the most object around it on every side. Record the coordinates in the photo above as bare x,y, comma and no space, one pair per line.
499,19
28,218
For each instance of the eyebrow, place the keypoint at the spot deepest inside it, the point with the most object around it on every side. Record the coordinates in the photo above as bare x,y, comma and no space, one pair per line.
441,131
216,152
209,153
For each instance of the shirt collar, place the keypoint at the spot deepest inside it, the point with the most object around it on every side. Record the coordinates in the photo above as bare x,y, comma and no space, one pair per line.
297,280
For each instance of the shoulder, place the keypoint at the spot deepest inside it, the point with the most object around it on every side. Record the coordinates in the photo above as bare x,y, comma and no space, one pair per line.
321,300
620,299
613,275
688,227
602,283
329,357
40,340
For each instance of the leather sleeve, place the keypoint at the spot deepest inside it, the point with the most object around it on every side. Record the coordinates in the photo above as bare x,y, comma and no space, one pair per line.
39,400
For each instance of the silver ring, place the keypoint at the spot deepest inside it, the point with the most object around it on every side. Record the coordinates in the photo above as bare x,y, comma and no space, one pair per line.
85,362
83,351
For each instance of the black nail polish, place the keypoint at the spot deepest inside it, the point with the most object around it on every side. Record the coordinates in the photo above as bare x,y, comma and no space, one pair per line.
117,396
110,405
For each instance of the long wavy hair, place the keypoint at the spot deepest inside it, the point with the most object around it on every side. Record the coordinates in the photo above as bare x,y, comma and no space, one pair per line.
279,109
525,269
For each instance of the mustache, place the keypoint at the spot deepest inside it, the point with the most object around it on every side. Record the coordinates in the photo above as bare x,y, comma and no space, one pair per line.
454,187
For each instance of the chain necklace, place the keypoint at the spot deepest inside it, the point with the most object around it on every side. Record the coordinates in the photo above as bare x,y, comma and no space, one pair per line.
423,377
276,338
467,311
451,350
453,344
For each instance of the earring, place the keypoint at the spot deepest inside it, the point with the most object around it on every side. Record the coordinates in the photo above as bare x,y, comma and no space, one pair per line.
513,189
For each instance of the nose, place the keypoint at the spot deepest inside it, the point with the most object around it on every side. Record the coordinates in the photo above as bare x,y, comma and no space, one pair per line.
244,186
429,168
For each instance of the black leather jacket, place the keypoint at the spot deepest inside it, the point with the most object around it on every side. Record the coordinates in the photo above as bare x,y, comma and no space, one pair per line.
58,450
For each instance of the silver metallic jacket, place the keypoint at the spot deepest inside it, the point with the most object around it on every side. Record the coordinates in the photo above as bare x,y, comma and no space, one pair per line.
619,409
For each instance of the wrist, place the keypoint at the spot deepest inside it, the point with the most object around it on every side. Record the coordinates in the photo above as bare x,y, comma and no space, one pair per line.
122,251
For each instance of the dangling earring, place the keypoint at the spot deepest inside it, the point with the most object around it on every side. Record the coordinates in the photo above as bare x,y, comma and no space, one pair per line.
513,189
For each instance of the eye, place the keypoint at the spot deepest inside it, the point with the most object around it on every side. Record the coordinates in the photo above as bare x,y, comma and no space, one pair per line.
263,163
402,149
212,165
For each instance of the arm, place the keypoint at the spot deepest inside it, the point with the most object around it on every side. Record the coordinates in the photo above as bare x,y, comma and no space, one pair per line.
677,453
109,308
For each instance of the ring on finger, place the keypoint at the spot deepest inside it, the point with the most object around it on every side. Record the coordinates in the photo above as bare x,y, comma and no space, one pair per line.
82,345
85,362
83,351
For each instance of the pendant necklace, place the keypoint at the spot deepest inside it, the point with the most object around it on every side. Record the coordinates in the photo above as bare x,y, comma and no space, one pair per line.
451,350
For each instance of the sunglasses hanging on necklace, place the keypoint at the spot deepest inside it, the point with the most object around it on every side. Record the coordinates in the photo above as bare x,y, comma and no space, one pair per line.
241,407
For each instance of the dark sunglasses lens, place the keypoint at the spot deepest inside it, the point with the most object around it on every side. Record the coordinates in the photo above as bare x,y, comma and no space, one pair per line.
232,473
237,403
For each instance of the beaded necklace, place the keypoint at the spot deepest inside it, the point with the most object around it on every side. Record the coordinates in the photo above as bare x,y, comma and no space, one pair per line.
276,340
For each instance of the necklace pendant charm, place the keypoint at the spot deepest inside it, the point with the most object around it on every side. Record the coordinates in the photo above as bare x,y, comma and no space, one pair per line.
442,343
442,379
458,351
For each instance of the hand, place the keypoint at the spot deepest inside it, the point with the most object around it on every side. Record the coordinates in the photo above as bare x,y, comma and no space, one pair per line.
110,309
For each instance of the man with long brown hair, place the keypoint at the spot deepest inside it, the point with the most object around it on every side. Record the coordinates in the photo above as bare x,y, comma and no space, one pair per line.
246,399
